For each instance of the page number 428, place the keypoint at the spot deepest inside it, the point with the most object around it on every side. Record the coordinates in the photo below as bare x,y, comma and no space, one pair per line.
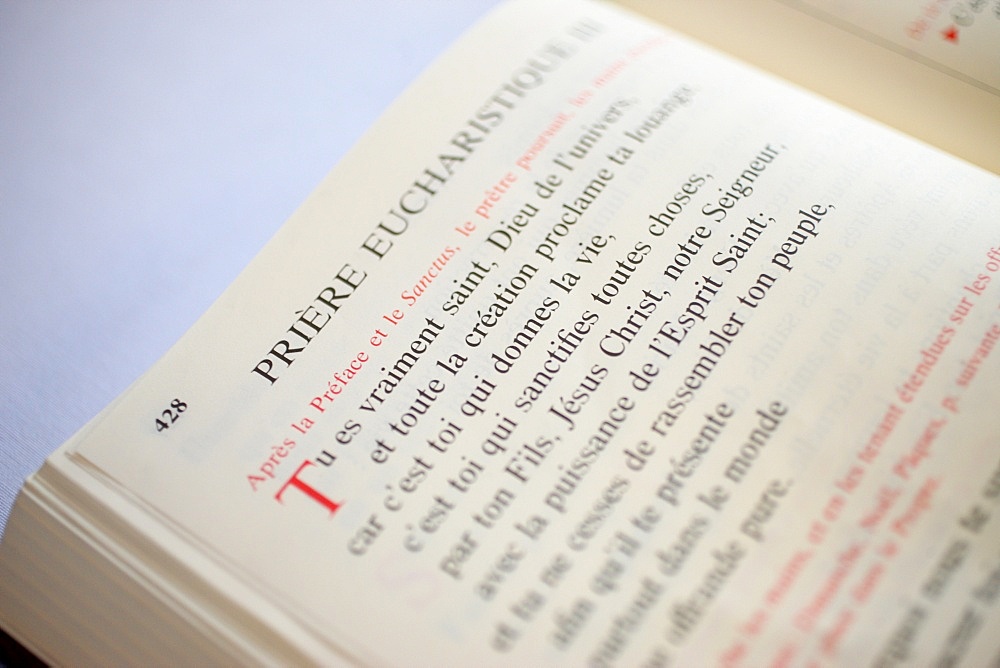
170,415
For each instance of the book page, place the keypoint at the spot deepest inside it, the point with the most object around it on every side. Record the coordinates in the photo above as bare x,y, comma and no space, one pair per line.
600,348
960,36
817,53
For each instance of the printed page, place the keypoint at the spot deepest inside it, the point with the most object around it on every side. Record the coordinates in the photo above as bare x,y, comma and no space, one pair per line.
846,66
960,36
600,348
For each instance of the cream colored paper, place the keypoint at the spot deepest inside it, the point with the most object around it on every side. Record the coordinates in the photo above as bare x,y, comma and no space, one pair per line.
662,252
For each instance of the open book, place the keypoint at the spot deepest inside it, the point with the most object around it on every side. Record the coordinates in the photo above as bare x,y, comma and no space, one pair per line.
600,348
